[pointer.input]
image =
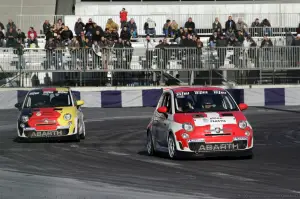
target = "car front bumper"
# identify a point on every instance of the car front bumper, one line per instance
(59, 132)
(199, 146)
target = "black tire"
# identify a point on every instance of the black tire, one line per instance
(172, 149)
(150, 145)
(77, 137)
(82, 135)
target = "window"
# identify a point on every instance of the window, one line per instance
(204, 101)
(167, 102)
(46, 99)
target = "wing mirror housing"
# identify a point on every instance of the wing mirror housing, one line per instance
(243, 106)
(79, 102)
(162, 109)
(18, 106)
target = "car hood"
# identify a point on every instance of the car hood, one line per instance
(203, 118)
(55, 116)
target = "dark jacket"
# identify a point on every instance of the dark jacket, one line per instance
(115, 36)
(132, 26)
(96, 37)
(21, 36)
(98, 28)
(2, 26)
(46, 28)
(217, 26)
(79, 27)
(2, 36)
(190, 25)
(66, 34)
(229, 24)
(125, 35)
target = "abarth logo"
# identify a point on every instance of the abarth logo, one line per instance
(218, 147)
(47, 134)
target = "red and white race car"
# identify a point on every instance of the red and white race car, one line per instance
(199, 120)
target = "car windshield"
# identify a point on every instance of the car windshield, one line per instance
(204, 101)
(45, 99)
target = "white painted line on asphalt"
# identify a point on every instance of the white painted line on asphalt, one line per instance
(160, 162)
(117, 153)
(225, 175)
(297, 192)
(289, 137)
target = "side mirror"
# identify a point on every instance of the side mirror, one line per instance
(18, 106)
(243, 106)
(79, 102)
(162, 109)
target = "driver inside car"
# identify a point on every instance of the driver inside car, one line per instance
(207, 102)
(185, 104)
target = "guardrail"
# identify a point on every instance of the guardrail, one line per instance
(150, 67)
(203, 22)
(143, 59)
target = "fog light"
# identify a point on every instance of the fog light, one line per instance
(69, 123)
(22, 125)
(185, 136)
(247, 133)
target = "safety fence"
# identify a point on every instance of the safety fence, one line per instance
(127, 66)
(203, 22)
(152, 59)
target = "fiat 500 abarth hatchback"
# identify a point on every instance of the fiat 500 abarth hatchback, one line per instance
(199, 120)
(50, 113)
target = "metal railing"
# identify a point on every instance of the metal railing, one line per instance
(202, 21)
(142, 59)
(122, 66)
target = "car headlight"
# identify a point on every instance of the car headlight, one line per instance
(187, 127)
(67, 116)
(242, 124)
(24, 118)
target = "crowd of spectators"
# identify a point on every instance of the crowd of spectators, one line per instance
(120, 34)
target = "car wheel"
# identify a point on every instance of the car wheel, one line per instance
(77, 135)
(173, 153)
(150, 146)
(82, 135)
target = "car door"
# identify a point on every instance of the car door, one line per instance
(165, 121)
(157, 117)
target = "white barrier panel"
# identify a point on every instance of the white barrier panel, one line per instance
(203, 14)
(148, 97)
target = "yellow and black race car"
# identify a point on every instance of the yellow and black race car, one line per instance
(51, 113)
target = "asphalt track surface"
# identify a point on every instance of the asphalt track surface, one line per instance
(112, 163)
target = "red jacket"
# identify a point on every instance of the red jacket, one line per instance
(123, 16)
(29, 35)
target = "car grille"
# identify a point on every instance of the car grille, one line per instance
(213, 147)
(41, 134)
